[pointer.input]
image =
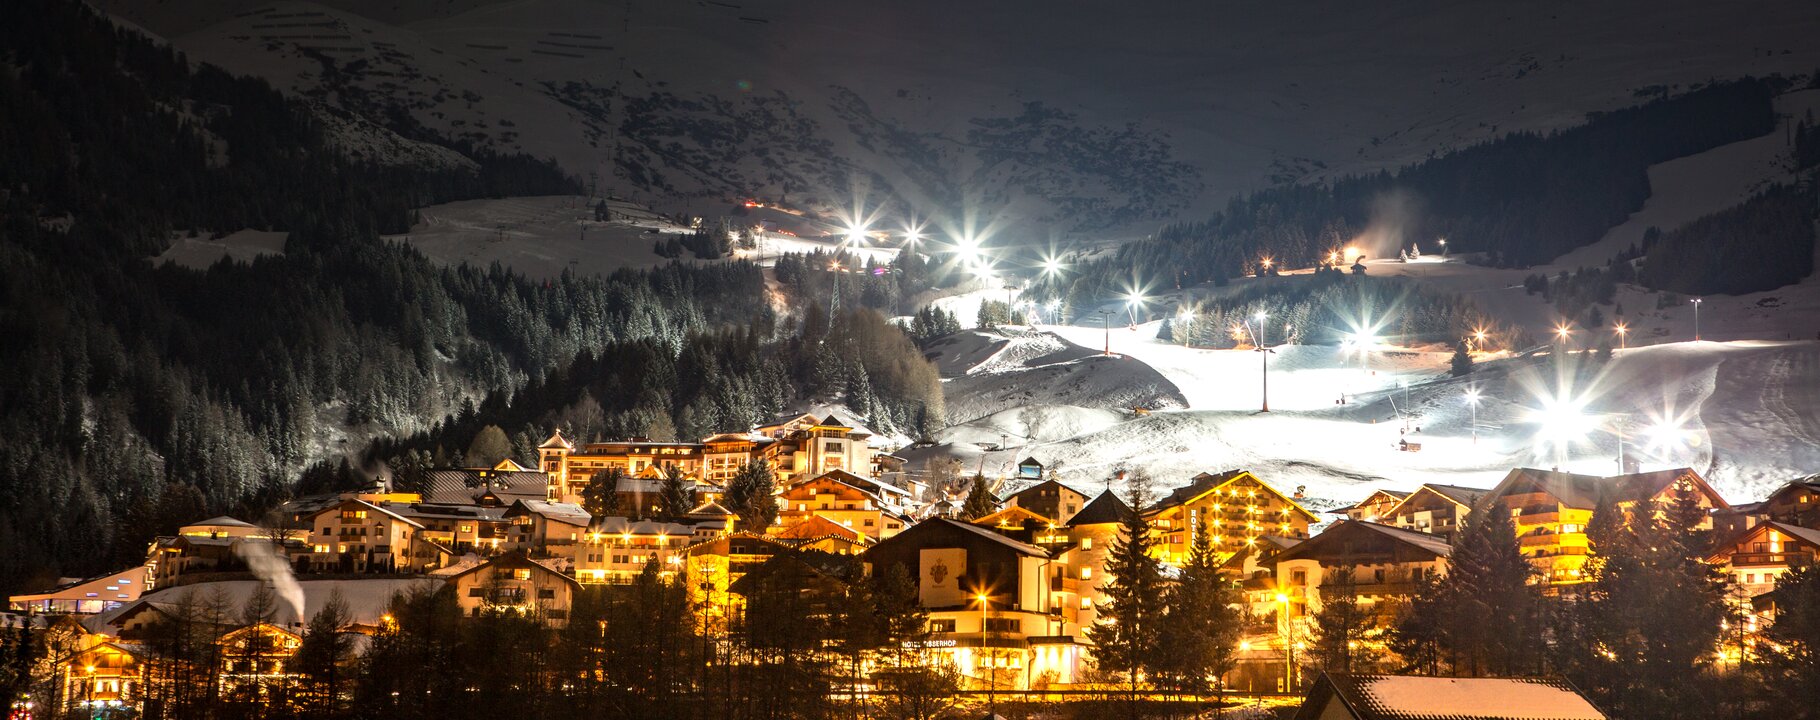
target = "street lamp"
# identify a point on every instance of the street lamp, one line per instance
(1106, 326)
(991, 679)
(1186, 318)
(1264, 352)
(1623, 332)
(1562, 332)
(1696, 302)
(1472, 399)
(1288, 647)
(1478, 339)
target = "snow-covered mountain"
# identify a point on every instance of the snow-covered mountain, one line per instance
(1052, 117)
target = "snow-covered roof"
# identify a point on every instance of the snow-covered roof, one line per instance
(563, 512)
(616, 525)
(1397, 697)
(556, 441)
(222, 521)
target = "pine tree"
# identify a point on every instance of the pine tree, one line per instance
(752, 494)
(1790, 665)
(1483, 616)
(1201, 626)
(1461, 364)
(1647, 618)
(1128, 636)
(600, 497)
(675, 498)
(1341, 623)
(980, 502)
(324, 656)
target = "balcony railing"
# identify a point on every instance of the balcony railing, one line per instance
(1783, 558)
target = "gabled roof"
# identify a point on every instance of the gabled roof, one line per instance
(1572, 489)
(859, 481)
(1724, 550)
(562, 512)
(513, 560)
(616, 525)
(1395, 697)
(910, 534)
(816, 526)
(1463, 496)
(556, 441)
(1393, 496)
(1015, 516)
(1810, 483)
(1338, 531)
(1107, 508)
(1646, 485)
(1204, 483)
(370, 506)
(710, 509)
(1029, 461)
(1585, 491)
(1036, 489)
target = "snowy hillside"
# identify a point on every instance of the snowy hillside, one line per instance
(1174, 108)
(1747, 414)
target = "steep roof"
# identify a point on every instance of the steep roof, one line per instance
(1205, 483)
(710, 509)
(1573, 489)
(1396, 697)
(910, 534)
(562, 512)
(816, 526)
(556, 441)
(1107, 508)
(1036, 489)
(1462, 495)
(1425, 542)
(1724, 549)
(1016, 515)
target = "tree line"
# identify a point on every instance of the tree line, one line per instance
(1521, 199)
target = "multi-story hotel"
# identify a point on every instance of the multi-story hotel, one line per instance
(1238, 507)
(801, 446)
(1552, 510)
(1434, 509)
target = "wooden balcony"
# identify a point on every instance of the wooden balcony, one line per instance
(1783, 559)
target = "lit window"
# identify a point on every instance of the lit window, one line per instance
(1086, 543)
(1086, 573)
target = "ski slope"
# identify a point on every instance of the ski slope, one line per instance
(1744, 413)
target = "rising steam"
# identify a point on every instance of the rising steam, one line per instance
(1395, 219)
(268, 564)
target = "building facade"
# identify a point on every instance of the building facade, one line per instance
(1238, 509)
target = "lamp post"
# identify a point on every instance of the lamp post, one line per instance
(1186, 317)
(991, 681)
(1623, 332)
(1562, 333)
(1696, 302)
(1106, 326)
(1288, 647)
(1263, 352)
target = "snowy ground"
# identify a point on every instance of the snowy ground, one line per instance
(892, 91)
(1746, 414)
(543, 236)
(202, 251)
